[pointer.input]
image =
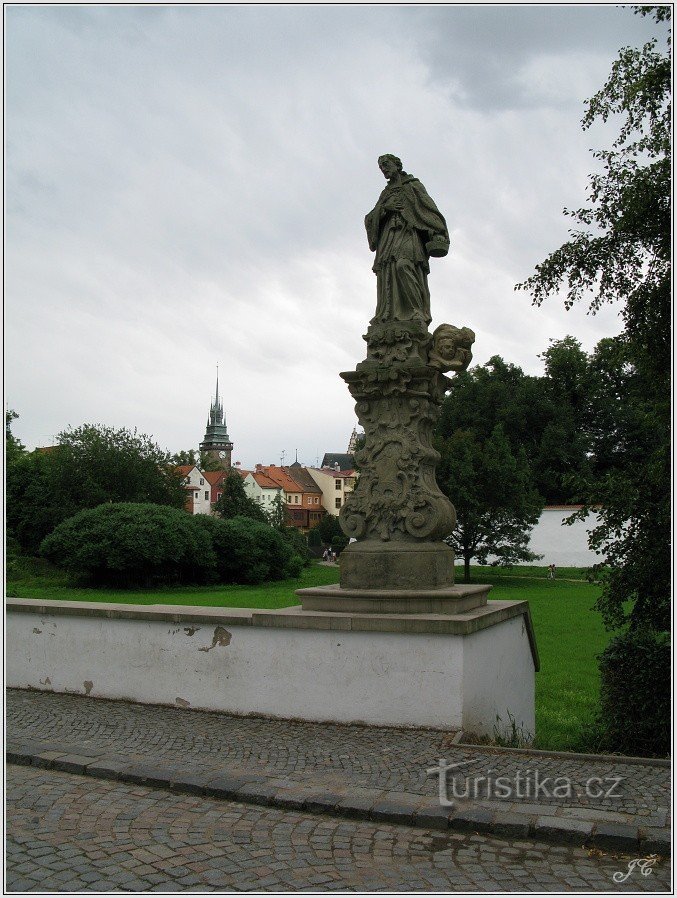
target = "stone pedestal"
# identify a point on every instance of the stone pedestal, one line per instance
(372, 564)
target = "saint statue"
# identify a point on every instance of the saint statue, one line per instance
(404, 229)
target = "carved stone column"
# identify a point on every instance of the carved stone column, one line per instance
(397, 513)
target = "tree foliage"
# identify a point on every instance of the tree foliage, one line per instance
(90, 465)
(248, 551)
(493, 493)
(234, 501)
(14, 448)
(621, 253)
(127, 544)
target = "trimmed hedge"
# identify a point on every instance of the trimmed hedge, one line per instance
(248, 551)
(129, 544)
(635, 693)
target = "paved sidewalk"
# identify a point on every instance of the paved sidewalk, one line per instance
(373, 773)
(76, 833)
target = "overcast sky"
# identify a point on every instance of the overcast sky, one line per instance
(187, 186)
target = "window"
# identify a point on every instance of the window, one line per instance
(338, 501)
(296, 499)
(289, 499)
(202, 481)
(337, 484)
(206, 495)
(197, 495)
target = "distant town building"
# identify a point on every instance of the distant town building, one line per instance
(335, 486)
(354, 437)
(216, 443)
(198, 489)
(262, 488)
(339, 461)
(300, 493)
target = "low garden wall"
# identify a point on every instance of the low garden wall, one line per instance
(376, 669)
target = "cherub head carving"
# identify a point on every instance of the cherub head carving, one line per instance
(451, 349)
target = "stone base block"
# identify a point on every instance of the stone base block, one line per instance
(444, 600)
(373, 564)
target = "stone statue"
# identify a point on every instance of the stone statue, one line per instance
(404, 229)
(451, 349)
(397, 513)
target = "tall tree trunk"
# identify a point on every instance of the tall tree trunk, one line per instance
(466, 567)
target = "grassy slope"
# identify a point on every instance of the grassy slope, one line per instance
(568, 633)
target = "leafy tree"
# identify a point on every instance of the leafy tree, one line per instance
(202, 460)
(492, 491)
(208, 462)
(127, 544)
(329, 529)
(564, 451)
(14, 448)
(234, 501)
(249, 551)
(540, 416)
(277, 514)
(90, 465)
(184, 457)
(298, 542)
(622, 254)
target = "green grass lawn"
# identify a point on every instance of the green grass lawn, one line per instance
(569, 634)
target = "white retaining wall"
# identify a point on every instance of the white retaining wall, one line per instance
(382, 678)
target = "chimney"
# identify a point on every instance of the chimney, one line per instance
(259, 466)
(238, 464)
(337, 466)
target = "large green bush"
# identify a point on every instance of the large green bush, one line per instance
(635, 694)
(248, 551)
(128, 544)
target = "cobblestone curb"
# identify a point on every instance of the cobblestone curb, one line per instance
(410, 809)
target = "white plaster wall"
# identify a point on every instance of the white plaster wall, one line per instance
(441, 681)
(559, 544)
(498, 677)
(562, 545)
(341, 676)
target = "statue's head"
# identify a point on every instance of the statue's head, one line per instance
(389, 164)
(452, 348)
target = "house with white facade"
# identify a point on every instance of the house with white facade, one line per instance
(336, 486)
(262, 489)
(198, 489)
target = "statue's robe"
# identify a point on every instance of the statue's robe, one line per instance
(399, 240)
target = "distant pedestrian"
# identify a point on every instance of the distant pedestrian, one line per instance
(551, 572)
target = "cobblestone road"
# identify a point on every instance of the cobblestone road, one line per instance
(324, 754)
(74, 833)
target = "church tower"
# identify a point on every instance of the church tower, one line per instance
(216, 443)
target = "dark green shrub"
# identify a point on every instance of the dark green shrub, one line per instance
(129, 544)
(248, 551)
(314, 538)
(298, 542)
(635, 694)
(339, 543)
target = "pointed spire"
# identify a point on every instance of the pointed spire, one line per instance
(216, 403)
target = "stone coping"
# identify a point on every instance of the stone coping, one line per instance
(175, 614)
(461, 624)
